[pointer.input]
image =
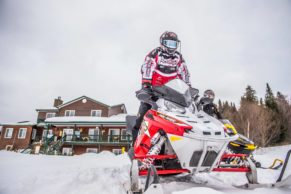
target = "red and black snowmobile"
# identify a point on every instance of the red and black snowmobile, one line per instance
(176, 138)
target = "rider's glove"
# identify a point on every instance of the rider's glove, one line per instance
(147, 88)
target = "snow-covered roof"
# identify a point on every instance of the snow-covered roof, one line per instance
(54, 109)
(81, 98)
(115, 119)
(24, 123)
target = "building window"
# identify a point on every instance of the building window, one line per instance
(92, 150)
(69, 134)
(9, 132)
(50, 114)
(96, 113)
(67, 151)
(93, 134)
(47, 133)
(22, 133)
(113, 135)
(117, 151)
(69, 113)
(123, 134)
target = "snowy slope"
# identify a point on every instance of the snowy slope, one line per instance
(106, 173)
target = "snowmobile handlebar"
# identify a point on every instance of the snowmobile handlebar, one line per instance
(145, 97)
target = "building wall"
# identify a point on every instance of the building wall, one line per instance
(117, 110)
(42, 115)
(14, 140)
(103, 131)
(84, 109)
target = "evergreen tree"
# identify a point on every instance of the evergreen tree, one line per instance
(284, 113)
(270, 100)
(249, 95)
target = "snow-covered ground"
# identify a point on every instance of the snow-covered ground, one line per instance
(106, 173)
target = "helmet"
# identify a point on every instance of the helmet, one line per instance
(169, 41)
(209, 94)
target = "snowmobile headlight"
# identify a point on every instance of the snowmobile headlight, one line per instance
(172, 107)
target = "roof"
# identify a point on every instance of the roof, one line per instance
(81, 98)
(85, 120)
(23, 123)
(53, 109)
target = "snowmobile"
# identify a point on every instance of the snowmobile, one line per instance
(176, 138)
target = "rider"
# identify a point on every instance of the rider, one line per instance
(210, 108)
(161, 65)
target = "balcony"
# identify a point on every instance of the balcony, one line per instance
(97, 139)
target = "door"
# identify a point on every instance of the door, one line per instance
(113, 135)
(69, 134)
(93, 134)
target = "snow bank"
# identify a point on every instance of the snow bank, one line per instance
(106, 173)
(84, 174)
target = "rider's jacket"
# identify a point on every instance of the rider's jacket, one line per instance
(160, 67)
(212, 110)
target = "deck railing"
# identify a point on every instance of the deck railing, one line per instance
(98, 138)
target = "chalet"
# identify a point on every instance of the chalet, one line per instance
(75, 127)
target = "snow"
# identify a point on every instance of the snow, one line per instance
(26, 123)
(114, 118)
(106, 173)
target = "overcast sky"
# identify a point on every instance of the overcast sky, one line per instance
(71, 48)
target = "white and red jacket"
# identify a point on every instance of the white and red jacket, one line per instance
(160, 67)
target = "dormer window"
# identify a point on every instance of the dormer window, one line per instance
(69, 113)
(96, 113)
(50, 115)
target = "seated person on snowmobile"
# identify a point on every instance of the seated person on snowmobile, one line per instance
(242, 145)
(161, 65)
(210, 108)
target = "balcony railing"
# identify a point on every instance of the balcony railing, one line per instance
(98, 138)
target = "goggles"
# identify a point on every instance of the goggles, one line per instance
(209, 96)
(173, 44)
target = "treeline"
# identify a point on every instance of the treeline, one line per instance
(266, 121)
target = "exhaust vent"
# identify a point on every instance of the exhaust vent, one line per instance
(206, 133)
(217, 133)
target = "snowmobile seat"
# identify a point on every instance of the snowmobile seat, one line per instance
(130, 122)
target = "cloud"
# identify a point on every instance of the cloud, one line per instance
(95, 48)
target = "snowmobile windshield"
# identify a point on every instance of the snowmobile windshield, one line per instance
(176, 91)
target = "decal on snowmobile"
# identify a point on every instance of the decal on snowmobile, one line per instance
(175, 138)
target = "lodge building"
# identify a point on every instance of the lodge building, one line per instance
(75, 127)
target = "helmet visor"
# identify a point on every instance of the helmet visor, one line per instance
(173, 44)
